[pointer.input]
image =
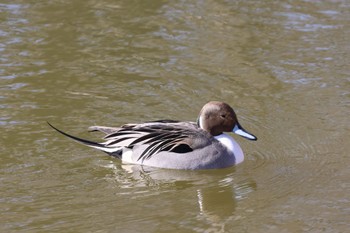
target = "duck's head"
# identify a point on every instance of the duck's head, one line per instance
(218, 117)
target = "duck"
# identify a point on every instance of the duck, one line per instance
(172, 144)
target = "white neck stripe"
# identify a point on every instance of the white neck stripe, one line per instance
(200, 121)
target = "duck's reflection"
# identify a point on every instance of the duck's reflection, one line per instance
(217, 191)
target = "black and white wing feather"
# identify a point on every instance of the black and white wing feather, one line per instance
(156, 136)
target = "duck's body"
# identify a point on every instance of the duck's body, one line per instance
(176, 145)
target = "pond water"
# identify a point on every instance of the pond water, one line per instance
(283, 66)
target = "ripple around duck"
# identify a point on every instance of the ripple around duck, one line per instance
(297, 164)
(296, 158)
(258, 159)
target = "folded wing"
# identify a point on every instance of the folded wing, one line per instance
(157, 135)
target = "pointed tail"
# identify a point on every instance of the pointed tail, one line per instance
(114, 151)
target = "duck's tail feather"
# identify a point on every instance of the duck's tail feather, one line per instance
(114, 151)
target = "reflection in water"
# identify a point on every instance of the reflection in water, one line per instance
(215, 192)
(217, 204)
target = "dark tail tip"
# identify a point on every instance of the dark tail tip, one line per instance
(81, 140)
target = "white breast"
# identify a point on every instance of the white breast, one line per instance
(232, 146)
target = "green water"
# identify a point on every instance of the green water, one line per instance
(283, 66)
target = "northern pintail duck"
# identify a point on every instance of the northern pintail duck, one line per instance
(174, 144)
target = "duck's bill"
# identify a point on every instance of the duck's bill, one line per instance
(238, 129)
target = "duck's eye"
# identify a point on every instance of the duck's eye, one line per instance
(223, 115)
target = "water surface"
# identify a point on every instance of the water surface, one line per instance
(282, 65)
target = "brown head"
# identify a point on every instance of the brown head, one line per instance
(218, 117)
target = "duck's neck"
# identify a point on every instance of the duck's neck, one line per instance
(232, 146)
